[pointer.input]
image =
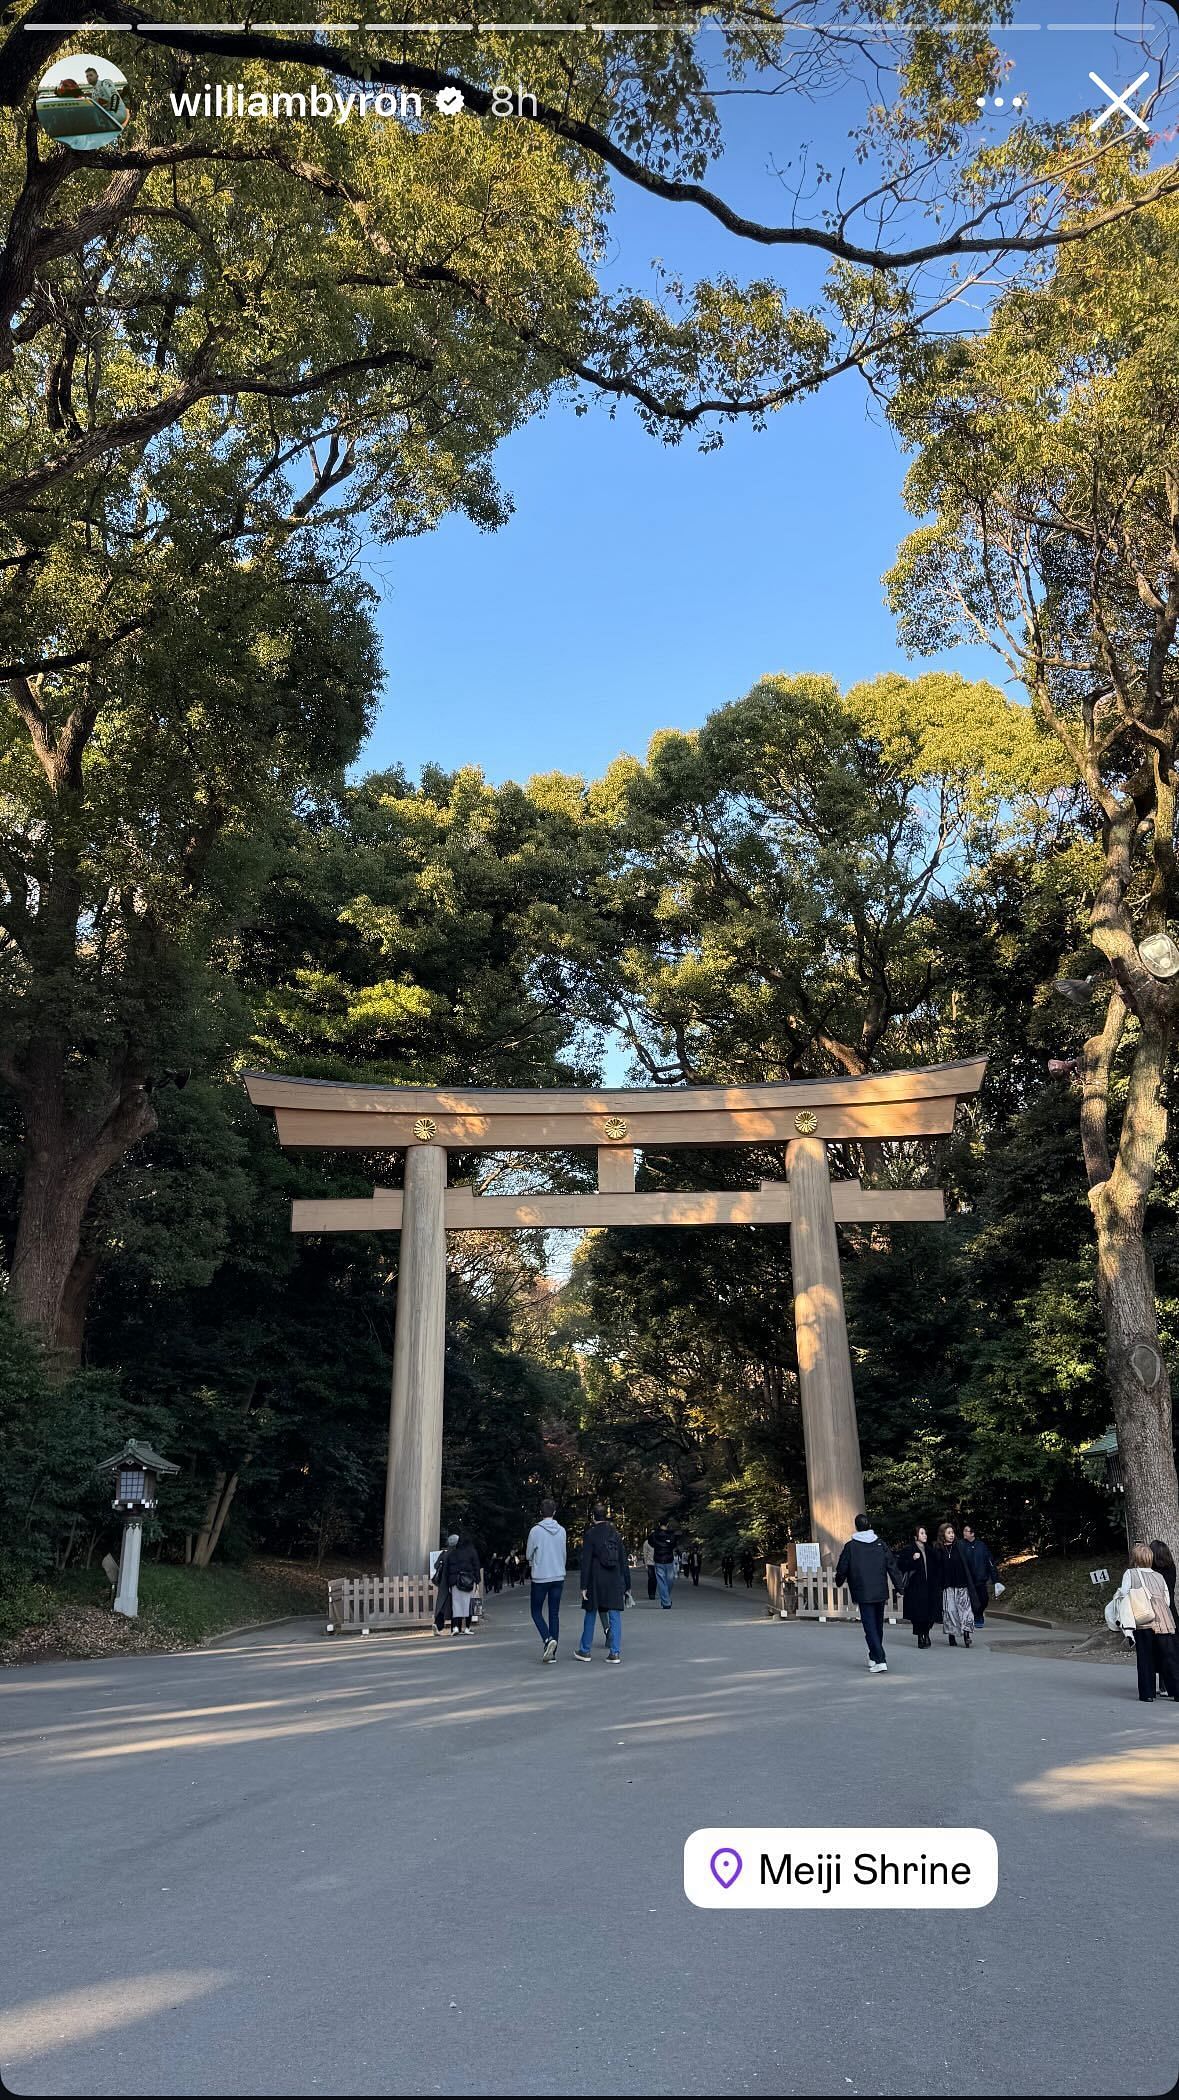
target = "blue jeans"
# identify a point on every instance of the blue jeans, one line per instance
(872, 1621)
(547, 1595)
(613, 1639)
(665, 1576)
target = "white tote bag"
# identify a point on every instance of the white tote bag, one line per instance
(1140, 1600)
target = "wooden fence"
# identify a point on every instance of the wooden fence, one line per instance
(820, 1598)
(356, 1603)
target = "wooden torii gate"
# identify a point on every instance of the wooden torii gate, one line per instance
(428, 1122)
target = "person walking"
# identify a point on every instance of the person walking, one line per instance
(866, 1564)
(605, 1585)
(956, 1583)
(1163, 1562)
(1144, 1589)
(1144, 1599)
(694, 1565)
(919, 1606)
(457, 1578)
(977, 1555)
(442, 1587)
(649, 1564)
(748, 1565)
(662, 1544)
(728, 1563)
(546, 1553)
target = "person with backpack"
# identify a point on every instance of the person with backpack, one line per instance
(457, 1578)
(662, 1544)
(605, 1585)
(867, 1565)
(546, 1560)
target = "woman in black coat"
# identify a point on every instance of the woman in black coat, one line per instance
(922, 1598)
(605, 1585)
(457, 1579)
(954, 1578)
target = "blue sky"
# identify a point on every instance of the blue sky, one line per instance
(638, 586)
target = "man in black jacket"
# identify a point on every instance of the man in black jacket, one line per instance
(605, 1585)
(866, 1565)
(977, 1555)
(662, 1544)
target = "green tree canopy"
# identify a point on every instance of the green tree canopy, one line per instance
(1048, 470)
(790, 856)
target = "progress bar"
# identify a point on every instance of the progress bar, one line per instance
(868, 30)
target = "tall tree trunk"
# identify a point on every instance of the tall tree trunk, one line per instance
(1140, 1386)
(66, 1156)
(200, 1551)
(53, 1204)
(228, 1494)
(71, 1326)
(224, 1490)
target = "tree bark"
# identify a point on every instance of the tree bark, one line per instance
(224, 1490)
(200, 1551)
(228, 1494)
(1125, 1280)
(74, 1301)
(66, 1157)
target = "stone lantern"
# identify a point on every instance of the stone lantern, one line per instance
(136, 1469)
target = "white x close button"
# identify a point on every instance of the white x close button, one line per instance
(1118, 101)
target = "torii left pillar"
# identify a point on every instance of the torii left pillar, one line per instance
(413, 1485)
(835, 1479)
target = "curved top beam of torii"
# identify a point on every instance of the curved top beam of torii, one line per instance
(332, 1112)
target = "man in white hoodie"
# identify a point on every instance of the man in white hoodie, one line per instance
(546, 1552)
(867, 1566)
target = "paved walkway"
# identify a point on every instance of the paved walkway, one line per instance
(406, 1866)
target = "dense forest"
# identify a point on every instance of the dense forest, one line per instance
(812, 882)
(227, 372)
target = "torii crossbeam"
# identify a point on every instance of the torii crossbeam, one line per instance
(427, 1123)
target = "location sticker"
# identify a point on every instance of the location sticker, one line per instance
(726, 1865)
(846, 1868)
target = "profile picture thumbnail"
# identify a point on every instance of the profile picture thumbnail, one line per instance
(80, 102)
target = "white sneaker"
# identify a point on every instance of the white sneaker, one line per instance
(876, 1668)
(550, 1652)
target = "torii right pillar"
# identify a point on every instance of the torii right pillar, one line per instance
(835, 1478)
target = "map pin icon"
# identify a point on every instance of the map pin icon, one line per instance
(726, 1865)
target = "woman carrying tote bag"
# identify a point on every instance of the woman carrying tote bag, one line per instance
(1142, 1597)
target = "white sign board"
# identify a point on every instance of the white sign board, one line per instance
(807, 1558)
(435, 1557)
(1099, 1575)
